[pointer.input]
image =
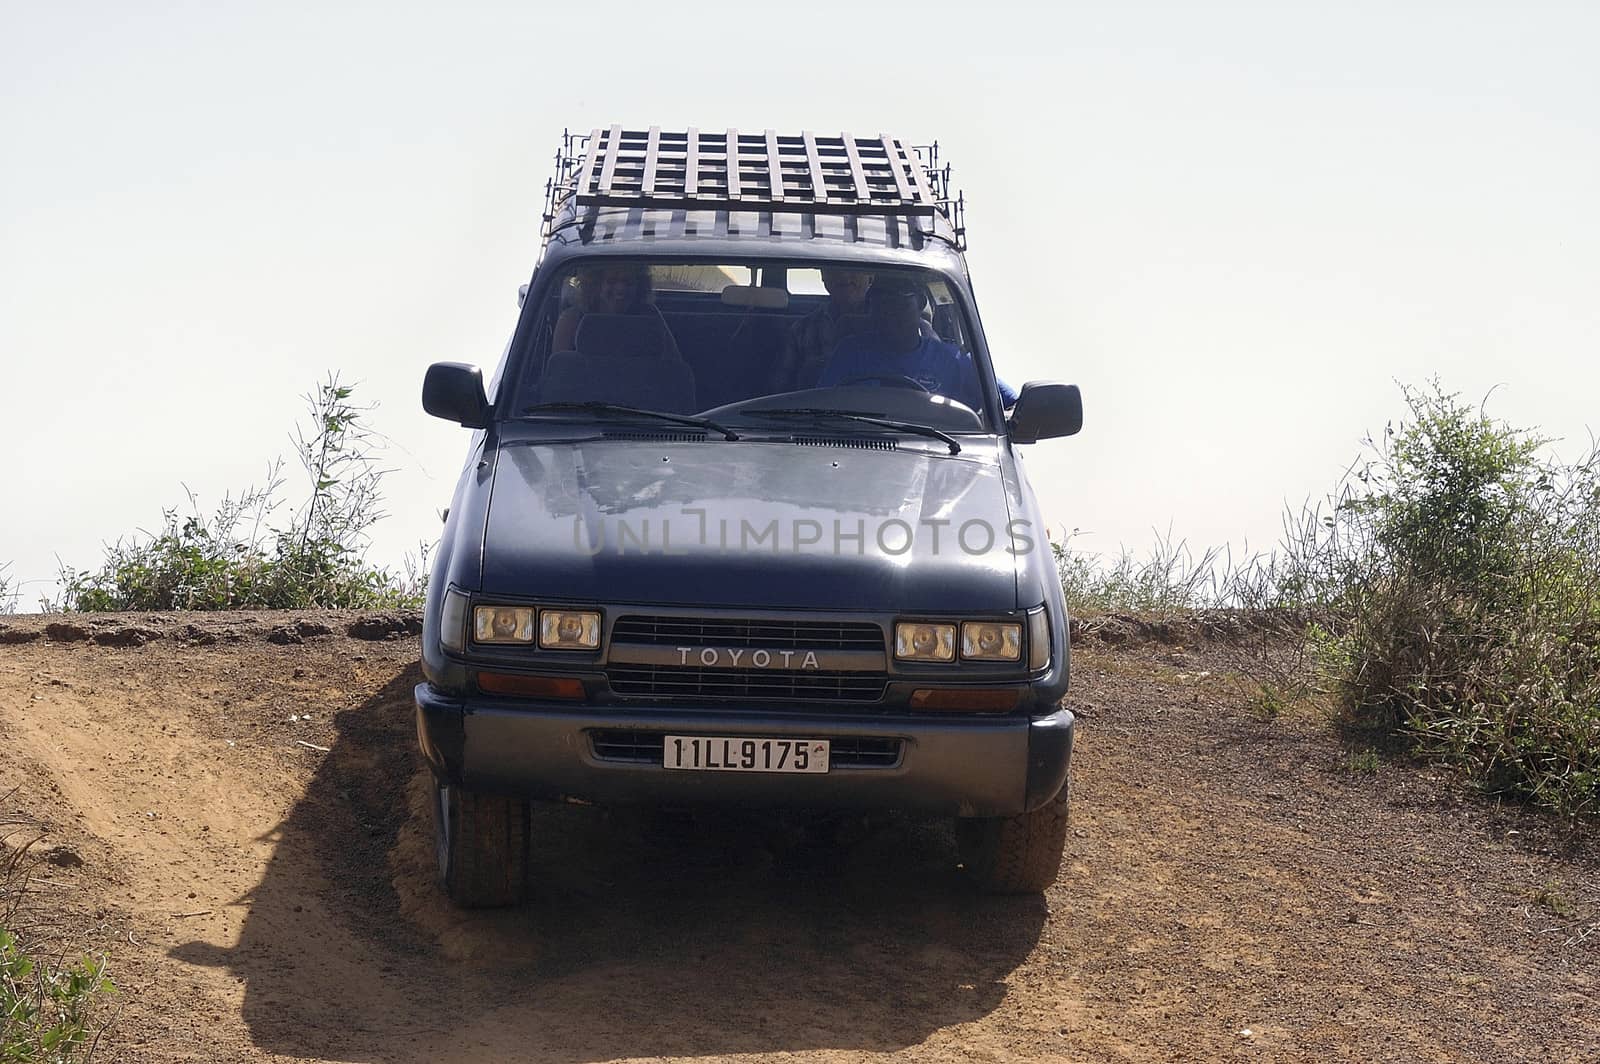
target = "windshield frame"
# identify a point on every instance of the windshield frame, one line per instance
(542, 305)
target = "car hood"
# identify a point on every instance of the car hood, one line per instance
(762, 524)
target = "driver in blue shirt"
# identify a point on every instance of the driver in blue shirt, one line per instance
(897, 350)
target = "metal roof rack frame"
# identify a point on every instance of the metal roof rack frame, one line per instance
(730, 170)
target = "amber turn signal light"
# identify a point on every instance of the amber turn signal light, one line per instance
(566, 688)
(965, 699)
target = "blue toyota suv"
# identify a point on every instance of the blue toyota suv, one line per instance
(742, 519)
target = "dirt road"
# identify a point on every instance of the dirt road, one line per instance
(255, 860)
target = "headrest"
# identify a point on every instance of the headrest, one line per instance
(622, 335)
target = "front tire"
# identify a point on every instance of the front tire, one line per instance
(1017, 854)
(481, 841)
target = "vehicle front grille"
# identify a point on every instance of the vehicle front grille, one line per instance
(771, 634)
(694, 682)
(645, 748)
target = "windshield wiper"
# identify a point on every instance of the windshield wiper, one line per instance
(631, 411)
(856, 415)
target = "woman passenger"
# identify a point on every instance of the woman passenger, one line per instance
(616, 288)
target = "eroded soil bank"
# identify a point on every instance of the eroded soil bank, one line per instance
(235, 815)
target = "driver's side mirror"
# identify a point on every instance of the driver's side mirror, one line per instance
(1045, 410)
(454, 391)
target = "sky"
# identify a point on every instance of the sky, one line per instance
(1239, 227)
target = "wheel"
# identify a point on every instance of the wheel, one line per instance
(481, 841)
(898, 380)
(1017, 854)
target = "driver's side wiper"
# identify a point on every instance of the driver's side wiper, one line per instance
(854, 415)
(632, 411)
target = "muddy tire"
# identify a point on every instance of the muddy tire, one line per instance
(482, 844)
(1017, 854)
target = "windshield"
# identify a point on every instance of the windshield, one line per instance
(741, 341)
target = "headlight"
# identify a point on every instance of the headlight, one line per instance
(569, 630)
(502, 624)
(991, 641)
(915, 641)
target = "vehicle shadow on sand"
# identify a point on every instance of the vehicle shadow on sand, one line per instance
(649, 933)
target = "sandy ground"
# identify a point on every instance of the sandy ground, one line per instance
(1233, 890)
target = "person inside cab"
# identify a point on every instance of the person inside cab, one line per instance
(896, 349)
(616, 289)
(812, 339)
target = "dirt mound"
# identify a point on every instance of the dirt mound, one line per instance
(242, 826)
(209, 629)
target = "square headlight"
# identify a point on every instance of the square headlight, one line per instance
(919, 641)
(502, 624)
(991, 641)
(569, 629)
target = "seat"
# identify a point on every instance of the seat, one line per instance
(622, 335)
(653, 383)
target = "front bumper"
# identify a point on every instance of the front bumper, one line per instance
(960, 766)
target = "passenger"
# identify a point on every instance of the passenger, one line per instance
(897, 346)
(617, 288)
(812, 339)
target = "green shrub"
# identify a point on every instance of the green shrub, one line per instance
(46, 1010)
(1455, 576)
(1463, 566)
(236, 558)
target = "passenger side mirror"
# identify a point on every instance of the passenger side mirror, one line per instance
(1045, 410)
(454, 391)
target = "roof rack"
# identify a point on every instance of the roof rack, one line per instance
(730, 170)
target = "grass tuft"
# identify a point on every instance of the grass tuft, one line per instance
(1360, 763)
(1551, 897)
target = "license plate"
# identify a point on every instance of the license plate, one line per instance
(738, 754)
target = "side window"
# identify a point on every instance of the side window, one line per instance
(698, 278)
(947, 320)
(806, 282)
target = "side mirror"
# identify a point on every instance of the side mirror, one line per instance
(454, 391)
(1045, 410)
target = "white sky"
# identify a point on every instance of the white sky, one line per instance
(1235, 225)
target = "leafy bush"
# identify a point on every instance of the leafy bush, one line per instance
(45, 1009)
(1463, 567)
(235, 558)
(1455, 576)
